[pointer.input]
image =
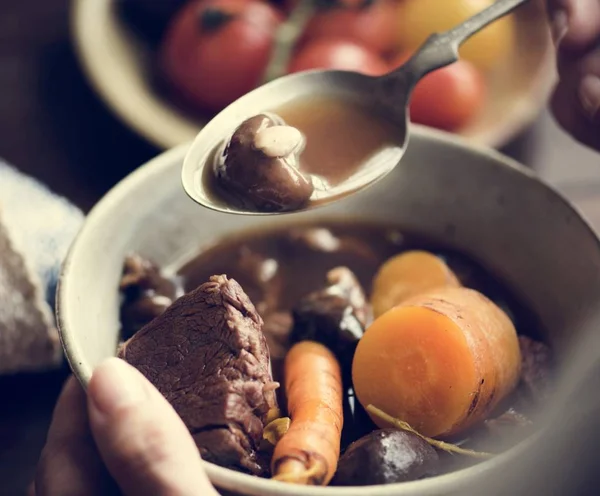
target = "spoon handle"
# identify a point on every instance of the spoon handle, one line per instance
(456, 36)
(441, 49)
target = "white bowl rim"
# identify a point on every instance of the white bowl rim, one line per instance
(230, 479)
(140, 118)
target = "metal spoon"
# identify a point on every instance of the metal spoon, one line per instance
(388, 94)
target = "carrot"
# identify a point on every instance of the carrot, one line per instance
(440, 362)
(407, 275)
(308, 452)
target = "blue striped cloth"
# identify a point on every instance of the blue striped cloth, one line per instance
(39, 227)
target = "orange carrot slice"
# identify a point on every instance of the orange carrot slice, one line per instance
(441, 361)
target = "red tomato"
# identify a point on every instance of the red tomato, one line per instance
(371, 23)
(338, 54)
(449, 97)
(215, 51)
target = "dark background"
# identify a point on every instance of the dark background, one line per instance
(53, 127)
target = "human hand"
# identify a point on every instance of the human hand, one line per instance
(124, 437)
(576, 100)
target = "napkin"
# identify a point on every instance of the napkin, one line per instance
(36, 230)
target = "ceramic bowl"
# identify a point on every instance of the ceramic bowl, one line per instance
(471, 199)
(119, 67)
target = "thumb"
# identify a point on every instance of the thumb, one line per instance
(143, 442)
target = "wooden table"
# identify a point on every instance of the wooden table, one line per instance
(51, 125)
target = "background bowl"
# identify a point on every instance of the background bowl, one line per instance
(476, 201)
(119, 67)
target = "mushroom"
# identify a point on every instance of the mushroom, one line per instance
(259, 166)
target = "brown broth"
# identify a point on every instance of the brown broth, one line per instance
(360, 246)
(341, 136)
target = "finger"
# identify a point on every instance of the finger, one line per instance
(142, 440)
(576, 100)
(575, 23)
(70, 464)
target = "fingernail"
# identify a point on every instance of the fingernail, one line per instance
(589, 95)
(559, 26)
(115, 385)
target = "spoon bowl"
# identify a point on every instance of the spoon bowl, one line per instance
(387, 95)
(350, 86)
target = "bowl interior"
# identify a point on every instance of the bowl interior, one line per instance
(476, 201)
(120, 68)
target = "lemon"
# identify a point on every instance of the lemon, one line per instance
(421, 18)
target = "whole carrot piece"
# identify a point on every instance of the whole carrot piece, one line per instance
(308, 452)
(441, 361)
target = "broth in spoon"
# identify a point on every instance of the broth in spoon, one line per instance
(296, 156)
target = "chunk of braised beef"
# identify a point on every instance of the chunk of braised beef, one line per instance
(141, 276)
(146, 292)
(335, 316)
(536, 368)
(208, 356)
(386, 456)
